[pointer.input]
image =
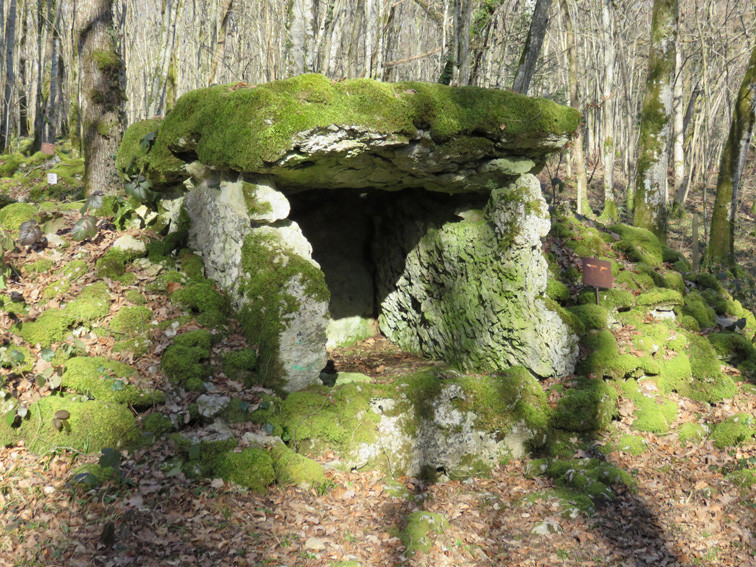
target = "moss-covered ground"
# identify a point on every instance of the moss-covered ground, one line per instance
(630, 451)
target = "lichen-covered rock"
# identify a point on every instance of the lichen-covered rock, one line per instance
(470, 292)
(461, 425)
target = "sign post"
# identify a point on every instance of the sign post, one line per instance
(597, 273)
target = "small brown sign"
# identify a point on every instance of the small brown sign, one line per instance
(597, 273)
(47, 148)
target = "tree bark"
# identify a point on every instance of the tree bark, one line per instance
(607, 19)
(578, 157)
(538, 26)
(721, 248)
(651, 197)
(102, 95)
(6, 117)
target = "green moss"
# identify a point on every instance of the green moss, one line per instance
(704, 280)
(592, 316)
(243, 128)
(743, 479)
(567, 317)
(112, 264)
(200, 297)
(293, 468)
(213, 319)
(734, 430)
(606, 361)
(632, 444)
(13, 215)
(163, 279)
(250, 468)
(715, 299)
(138, 346)
(53, 324)
(240, 365)
(133, 154)
(201, 338)
(638, 245)
(135, 296)
(92, 426)
(107, 380)
(56, 289)
(420, 531)
(592, 478)
(502, 400)
(589, 406)
(181, 364)
(131, 320)
(654, 415)
(695, 306)
(673, 280)
(610, 299)
(635, 281)
(658, 297)
(676, 375)
(237, 411)
(710, 384)
(682, 266)
(557, 291)
(157, 424)
(40, 266)
(192, 265)
(691, 432)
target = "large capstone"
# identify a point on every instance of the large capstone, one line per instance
(326, 209)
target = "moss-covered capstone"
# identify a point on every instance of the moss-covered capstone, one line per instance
(344, 132)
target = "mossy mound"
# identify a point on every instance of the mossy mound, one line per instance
(13, 215)
(92, 426)
(632, 444)
(293, 468)
(638, 245)
(240, 365)
(182, 361)
(734, 430)
(420, 531)
(592, 478)
(53, 324)
(589, 406)
(107, 380)
(132, 320)
(691, 433)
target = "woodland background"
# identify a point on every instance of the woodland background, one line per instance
(169, 47)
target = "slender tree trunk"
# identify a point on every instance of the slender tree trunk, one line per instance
(607, 20)
(538, 26)
(720, 250)
(651, 197)
(101, 85)
(578, 157)
(6, 118)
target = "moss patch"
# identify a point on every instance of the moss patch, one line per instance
(293, 468)
(131, 320)
(420, 531)
(589, 406)
(107, 380)
(92, 426)
(734, 430)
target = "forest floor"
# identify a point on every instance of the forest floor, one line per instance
(684, 510)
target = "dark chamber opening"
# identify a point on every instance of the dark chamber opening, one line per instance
(361, 239)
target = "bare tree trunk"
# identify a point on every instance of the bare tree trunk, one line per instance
(721, 248)
(538, 25)
(610, 205)
(7, 116)
(578, 158)
(651, 181)
(101, 77)
(678, 133)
